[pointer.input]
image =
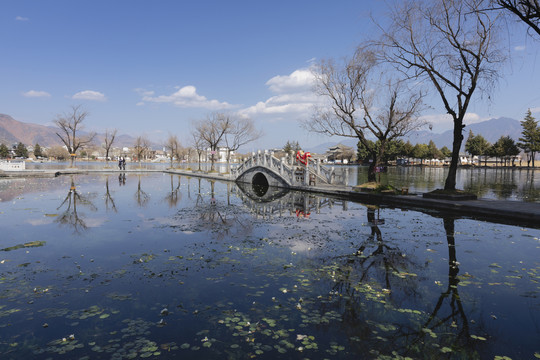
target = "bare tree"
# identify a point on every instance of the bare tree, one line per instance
(527, 11)
(69, 125)
(110, 136)
(173, 148)
(453, 45)
(184, 153)
(140, 147)
(242, 131)
(198, 145)
(58, 153)
(211, 132)
(358, 107)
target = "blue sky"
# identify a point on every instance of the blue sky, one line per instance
(153, 67)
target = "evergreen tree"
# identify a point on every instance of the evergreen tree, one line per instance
(530, 140)
(21, 151)
(4, 151)
(446, 152)
(477, 145)
(291, 146)
(420, 151)
(469, 144)
(407, 149)
(433, 151)
(37, 151)
(394, 148)
(363, 155)
(505, 148)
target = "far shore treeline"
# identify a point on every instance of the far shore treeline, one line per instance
(478, 151)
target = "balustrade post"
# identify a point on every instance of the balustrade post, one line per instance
(346, 178)
(281, 166)
(318, 163)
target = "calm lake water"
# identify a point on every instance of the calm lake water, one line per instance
(512, 184)
(168, 267)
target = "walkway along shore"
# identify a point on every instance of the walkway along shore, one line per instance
(512, 212)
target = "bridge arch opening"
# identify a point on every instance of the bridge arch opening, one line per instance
(260, 184)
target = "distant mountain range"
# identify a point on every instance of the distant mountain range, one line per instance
(13, 132)
(491, 130)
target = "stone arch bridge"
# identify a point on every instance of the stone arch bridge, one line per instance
(263, 168)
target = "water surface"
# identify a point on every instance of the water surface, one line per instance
(163, 267)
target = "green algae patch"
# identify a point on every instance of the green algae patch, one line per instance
(376, 188)
(30, 244)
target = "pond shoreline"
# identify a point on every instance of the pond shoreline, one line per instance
(516, 212)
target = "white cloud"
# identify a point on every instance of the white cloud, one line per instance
(184, 97)
(472, 118)
(144, 92)
(21, 18)
(89, 95)
(298, 80)
(281, 104)
(294, 95)
(36, 94)
(535, 110)
(520, 48)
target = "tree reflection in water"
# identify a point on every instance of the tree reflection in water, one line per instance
(174, 195)
(71, 217)
(109, 201)
(141, 196)
(209, 214)
(378, 295)
(453, 324)
(382, 274)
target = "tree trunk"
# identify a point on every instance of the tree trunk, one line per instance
(450, 183)
(212, 159)
(372, 175)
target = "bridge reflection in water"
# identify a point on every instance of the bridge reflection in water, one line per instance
(269, 201)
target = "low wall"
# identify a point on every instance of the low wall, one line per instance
(12, 165)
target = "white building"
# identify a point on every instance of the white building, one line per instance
(12, 165)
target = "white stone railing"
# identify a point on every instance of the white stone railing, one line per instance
(292, 171)
(12, 165)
